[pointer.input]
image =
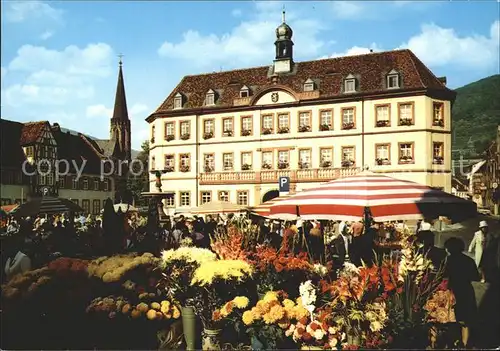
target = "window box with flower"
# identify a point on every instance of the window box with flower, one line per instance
(185, 136)
(184, 168)
(383, 161)
(267, 131)
(438, 123)
(228, 133)
(303, 165)
(169, 137)
(283, 165)
(383, 123)
(305, 128)
(246, 132)
(283, 130)
(169, 169)
(208, 169)
(406, 159)
(405, 122)
(228, 166)
(326, 164)
(246, 167)
(325, 127)
(347, 163)
(438, 160)
(348, 125)
(266, 166)
(208, 135)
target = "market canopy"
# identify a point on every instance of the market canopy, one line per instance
(387, 199)
(218, 207)
(264, 209)
(45, 205)
(125, 208)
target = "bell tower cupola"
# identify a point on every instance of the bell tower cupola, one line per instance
(283, 62)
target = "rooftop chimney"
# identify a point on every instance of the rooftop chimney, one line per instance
(442, 80)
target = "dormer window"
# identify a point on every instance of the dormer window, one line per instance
(309, 85)
(178, 101)
(350, 84)
(244, 92)
(210, 98)
(393, 80)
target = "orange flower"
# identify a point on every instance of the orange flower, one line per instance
(216, 315)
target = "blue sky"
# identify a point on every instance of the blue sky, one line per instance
(59, 59)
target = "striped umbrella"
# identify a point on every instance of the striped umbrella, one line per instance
(214, 207)
(264, 209)
(387, 199)
(46, 205)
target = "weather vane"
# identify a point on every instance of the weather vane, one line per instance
(120, 56)
(283, 13)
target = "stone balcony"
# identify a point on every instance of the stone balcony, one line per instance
(272, 176)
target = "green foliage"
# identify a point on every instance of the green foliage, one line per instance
(139, 182)
(476, 114)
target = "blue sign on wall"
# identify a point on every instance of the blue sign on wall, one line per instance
(284, 184)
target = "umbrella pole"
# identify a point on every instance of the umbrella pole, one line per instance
(304, 240)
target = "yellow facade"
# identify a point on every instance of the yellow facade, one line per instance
(354, 130)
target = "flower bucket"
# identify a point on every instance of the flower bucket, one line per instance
(189, 327)
(256, 344)
(210, 339)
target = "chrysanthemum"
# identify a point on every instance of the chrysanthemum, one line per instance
(275, 314)
(248, 317)
(270, 296)
(223, 269)
(241, 301)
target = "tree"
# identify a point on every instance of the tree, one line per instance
(138, 180)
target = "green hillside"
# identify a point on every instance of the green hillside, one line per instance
(476, 113)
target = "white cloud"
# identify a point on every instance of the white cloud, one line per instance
(98, 111)
(347, 9)
(46, 35)
(356, 50)
(249, 43)
(51, 77)
(21, 11)
(236, 13)
(437, 46)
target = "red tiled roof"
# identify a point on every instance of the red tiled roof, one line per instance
(328, 75)
(32, 131)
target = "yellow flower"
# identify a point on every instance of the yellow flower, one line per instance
(270, 296)
(209, 271)
(299, 301)
(241, 301)
(151, 314)
(275, 314)
(262, 307)
(188, 254)
(175, 312)
(288, 304)
(248, 317)
(300, 312)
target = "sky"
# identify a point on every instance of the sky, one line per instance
(59, 59)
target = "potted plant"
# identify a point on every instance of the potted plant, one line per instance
(228, 133)
(185, 136)
(303, 165)
(184, 168)
(246, 167)
(348, 125)
(267, 131)
(266, 166)
(304, 128)
(208, 169)
(405, 159)
(169, 137)
(405, 121)
(347, 163)
(324, 127)
(282, 165)
(382, 123)
(178, 267)
(208, 135)
(169, 169)
(217, 282)
(326, 164)
(438, 122)
(228, 166)
(246, 132)
(283, 130)
(382, 161)
(439, 160)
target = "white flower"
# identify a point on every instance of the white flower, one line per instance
(375, 326)
(290, 330)
(320, 269)
(350, 268)
(332, 330)
(319, 334)
(333, 343)
(308, 295)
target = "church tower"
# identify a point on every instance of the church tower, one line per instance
(120, 123)
(283, 62)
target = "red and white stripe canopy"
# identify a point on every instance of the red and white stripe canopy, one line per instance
(263, 209)
(387, 198)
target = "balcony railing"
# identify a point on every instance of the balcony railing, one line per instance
(272, 176)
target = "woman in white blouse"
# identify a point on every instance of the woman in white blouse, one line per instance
(18, 262)
(477, 242)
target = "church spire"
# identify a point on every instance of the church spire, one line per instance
(120, 110)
